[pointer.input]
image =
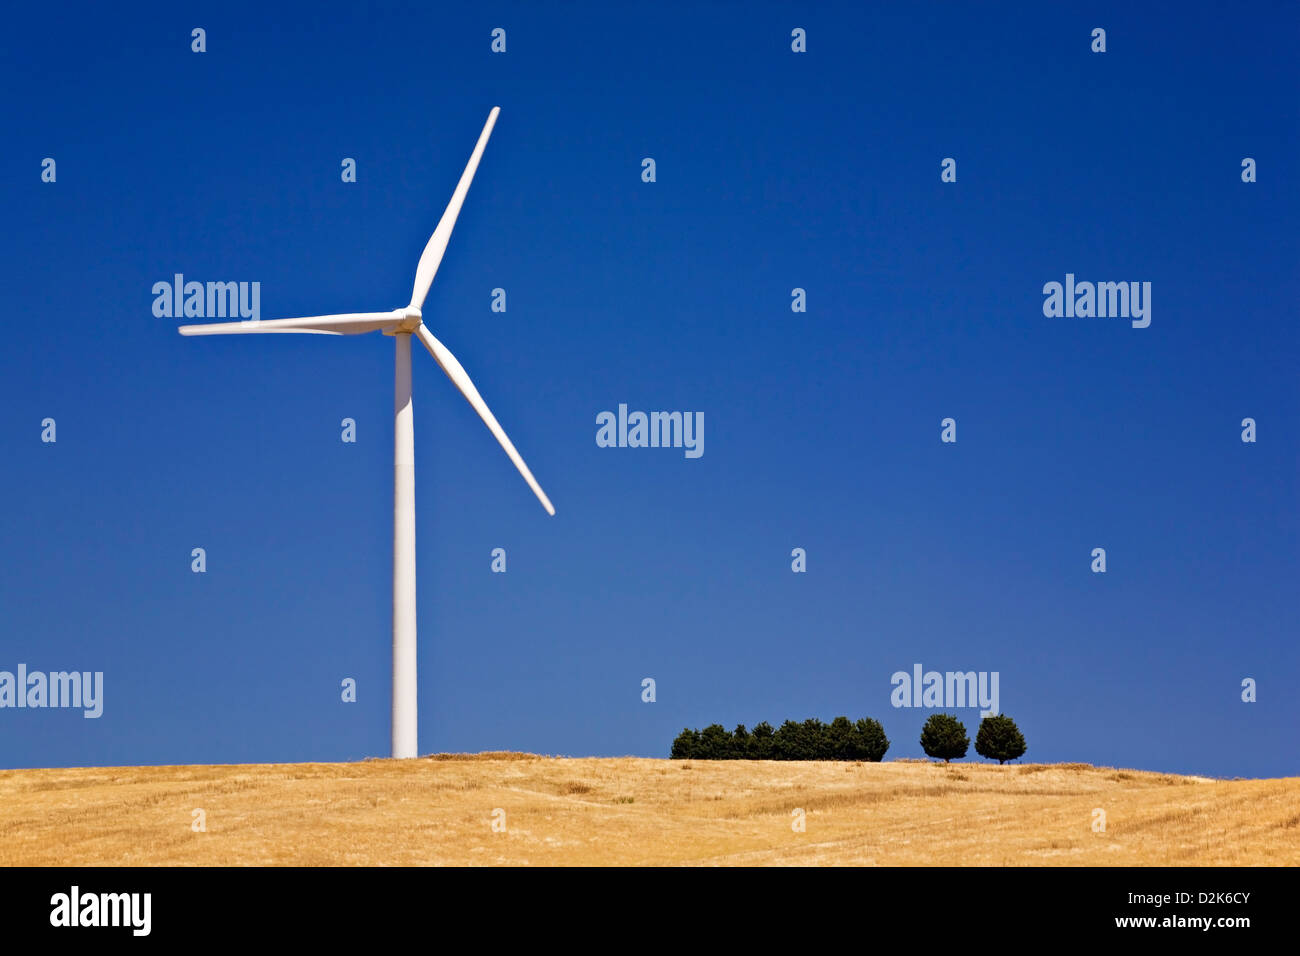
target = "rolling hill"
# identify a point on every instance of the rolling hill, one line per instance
(598, 811)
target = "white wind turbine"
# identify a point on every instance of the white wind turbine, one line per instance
(401, 324)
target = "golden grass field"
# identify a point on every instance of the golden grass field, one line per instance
(635, 811)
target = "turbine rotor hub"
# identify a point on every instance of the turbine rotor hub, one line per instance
(411, 319)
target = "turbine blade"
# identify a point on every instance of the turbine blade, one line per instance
(462, 381)
(351, 323)
(437, 244)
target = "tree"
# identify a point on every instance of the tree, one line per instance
(715, 743)
(788, 742)
(794, 740)
(817, 740)
(741, 742)
(686, 745)
(999, 739)
(870, 742)
(843, 739)
(944, 736)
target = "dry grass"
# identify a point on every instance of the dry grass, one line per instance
(563, 811)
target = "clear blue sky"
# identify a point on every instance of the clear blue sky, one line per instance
(775, 170)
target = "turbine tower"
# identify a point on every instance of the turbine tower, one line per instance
(401, 324)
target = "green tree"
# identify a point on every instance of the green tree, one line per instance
(817, 740)
(788, 742)
(999, 739)
(715, 743)
(686, 745)
(843, 739)
(741, 742)
(794, 740)
(870, 742)
(944, 736)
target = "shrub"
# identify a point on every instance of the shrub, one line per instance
(944, 736)
(999, 739)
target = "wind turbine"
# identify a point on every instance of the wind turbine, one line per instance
(401, 324)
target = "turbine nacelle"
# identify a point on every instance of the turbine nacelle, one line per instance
(409, 319)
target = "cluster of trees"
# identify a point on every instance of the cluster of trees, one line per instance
(841, 739)
(943, 737)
